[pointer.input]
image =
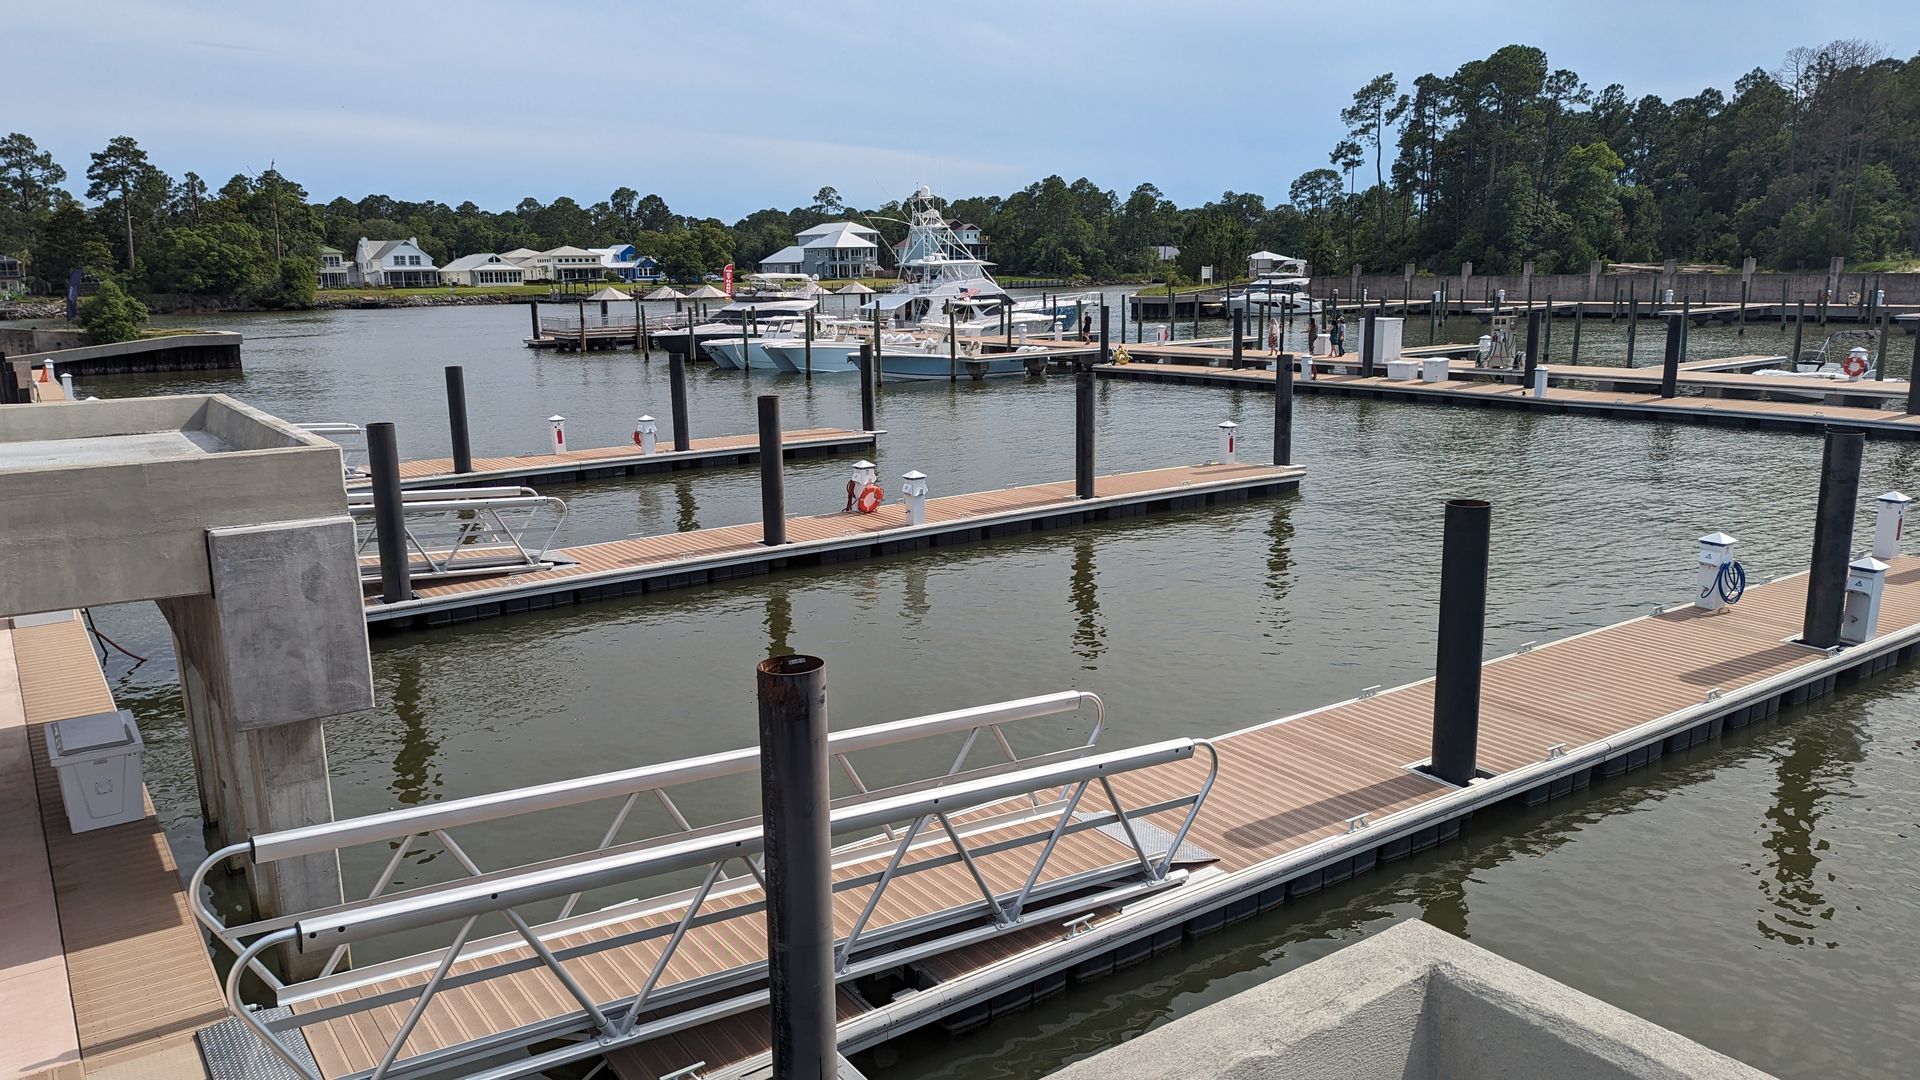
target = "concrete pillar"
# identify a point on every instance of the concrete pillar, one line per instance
(1355, 290)
(1593, 280)
(1526, 278)
(1466, 280)
(279, 644)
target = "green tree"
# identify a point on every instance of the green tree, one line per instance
(112, 174)
(67, 241)
(29, 188)
(110, 315)
(1375, 105)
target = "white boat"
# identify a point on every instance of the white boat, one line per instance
(1855, 366)
(932, 360)
(1282, 292)
(759, 317)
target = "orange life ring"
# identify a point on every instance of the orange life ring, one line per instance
(870, 497)
(1853, 366)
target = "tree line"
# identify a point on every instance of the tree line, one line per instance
(1504, 160)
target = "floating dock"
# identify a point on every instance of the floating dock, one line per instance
(1299, 804)
(102, 968)
(703, 556)
(575, 466)
(1618, 404)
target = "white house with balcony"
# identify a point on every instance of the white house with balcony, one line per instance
(836, 249)
(333, 268)
(562, 264)
(485, 268)
(392, 264)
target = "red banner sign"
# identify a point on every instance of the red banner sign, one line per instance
(726, 280)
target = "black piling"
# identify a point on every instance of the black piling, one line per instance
(389, 513)
(1579, 316)
(1283, 409)
(9, 384)
(1799, 330)
(1833, 536)
(533, 316)
(1670, 367)
(1913, 376)
(798, 858)
(1533, 344)
(1239, 328)
(1463, 624)
(1633, 320)
(1366, 346)
(1546, 333)
(1083, 416)
(773, 479)
(457, 418)
(1880, 355)
(677, 380)
(866, 388)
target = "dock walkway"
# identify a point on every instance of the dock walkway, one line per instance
(103, 972)
(1310, 800)
(1621, 404)
(607, 461)
(701, 556)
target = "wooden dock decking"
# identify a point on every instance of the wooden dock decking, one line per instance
(579, 465)
(1307, 801)
(1694, 409)
(698, 557)
(124, 978)
(1302, 802)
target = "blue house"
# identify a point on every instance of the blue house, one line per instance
(627, 262)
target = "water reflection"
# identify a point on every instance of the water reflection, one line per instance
(779, 623)
(413, 773)
(1089, 636)
(689, 508)
(1813, 768)
(1280, 560)
(915, 605)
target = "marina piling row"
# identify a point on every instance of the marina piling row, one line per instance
(1832, 537)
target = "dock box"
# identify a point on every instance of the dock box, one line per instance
(1403, 370)
(98, 761)
(1435, 369)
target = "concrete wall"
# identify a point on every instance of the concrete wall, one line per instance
(26, 339)
(1409, 1003)
(213, 350)
(136, 530)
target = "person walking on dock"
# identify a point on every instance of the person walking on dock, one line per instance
(1313, 334)
(1086, 329)
(1337, 335)
(1273, 338)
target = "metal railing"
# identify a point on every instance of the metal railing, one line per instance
(352, 441)
(958, 818)
(463, 531)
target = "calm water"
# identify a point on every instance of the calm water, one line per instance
(1759, 895)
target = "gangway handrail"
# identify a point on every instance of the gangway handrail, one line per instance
(606, 1024)
(460, 532)
(353, 459)
(408, 823)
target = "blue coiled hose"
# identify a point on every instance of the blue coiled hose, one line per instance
(1731, 582)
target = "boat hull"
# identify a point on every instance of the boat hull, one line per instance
(932, 366)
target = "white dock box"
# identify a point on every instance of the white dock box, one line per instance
(1403, 370)
(1435, 369)
(98, 761)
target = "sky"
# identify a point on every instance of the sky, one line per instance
(723, 107)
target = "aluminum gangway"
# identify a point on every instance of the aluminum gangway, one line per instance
(921, 867)
(352, 441)
(463, 532)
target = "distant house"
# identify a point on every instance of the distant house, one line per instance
(1268, 262)
(13, 275)
(837, 249)
(485, 268)
(564, 264)
(392, 264)
(529, 260)
(969, 236)
(1165, 252)
(333, 268)
(626, 261)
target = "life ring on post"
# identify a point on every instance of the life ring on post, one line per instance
(870, 497)
(1853, 366)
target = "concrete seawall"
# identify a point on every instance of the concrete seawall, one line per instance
(212, 350)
